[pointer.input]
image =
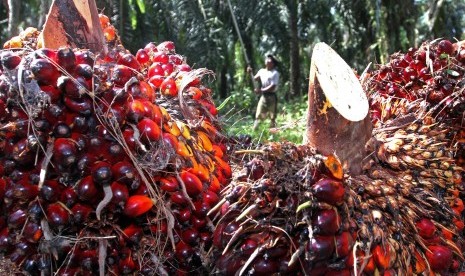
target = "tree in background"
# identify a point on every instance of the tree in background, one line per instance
(360, 31)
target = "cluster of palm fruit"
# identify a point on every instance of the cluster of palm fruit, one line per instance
(413, 187)
(285, 212)
(290, 210)
(109, 162)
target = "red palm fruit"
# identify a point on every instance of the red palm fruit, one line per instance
(142, 90)
(184, 215)
(166, 46)
(248, 246)
(122, 74)
(159, 57)
(129, 139)
(170, 139)
(326, 222)
(155, 70)
(73, 88)
(321, 247)
(104, 20)
(156, 80)
(133, 233)
(445, 47)
(137, 205)
(109, 33)
(150, 48)
(120, 194)
(439, 258)
(21, 251)
(329, 191)
(81, 213)
(176, 59)
(9, 60)
(184, 68)
(142, 57)
(24, 191)
(192, 183)
(84, 57)
(86, 189)
(44, 71)
(217, 151)
(229, 265)
(201, 208)
(61, 130)
(85, 162)
(183, 252)
(51, 190)
(382, 256)
(149, 131)
(156, 115)
(82, 105)
(5, 240)
(16, 219)
(426, 228)
(198, 223)
(194, 92)
(84, 74)
(138, 109)
(211, 108)
(124, 172)
(141, 190)
(168, 183)
(214, 185)
(190, 236)
(57, 215)
(101, 173)
(211, 198)
(3, 110)
(89, 259)
(167, 68)
(178, 198)
(168, 87)
(23, 152)
(130, 61)
(344, 244)
(64, 152)
(46, 53)
(262, 266)
(66, 59)
(2, 187)
(224, 166)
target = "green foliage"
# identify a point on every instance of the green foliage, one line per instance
(238, 119)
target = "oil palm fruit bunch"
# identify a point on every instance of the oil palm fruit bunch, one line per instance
(285, 212)
(412, 190)
(293, 211)
(109, 163)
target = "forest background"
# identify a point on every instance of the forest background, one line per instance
(364, 32)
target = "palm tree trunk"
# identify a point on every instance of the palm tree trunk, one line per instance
(14, 7)
(294, 51)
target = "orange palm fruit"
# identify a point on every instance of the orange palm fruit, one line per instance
(137, 205)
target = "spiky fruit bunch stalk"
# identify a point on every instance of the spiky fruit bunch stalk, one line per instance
(109, 163)
(284, 212)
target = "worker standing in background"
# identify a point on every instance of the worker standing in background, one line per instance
(269, 80)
